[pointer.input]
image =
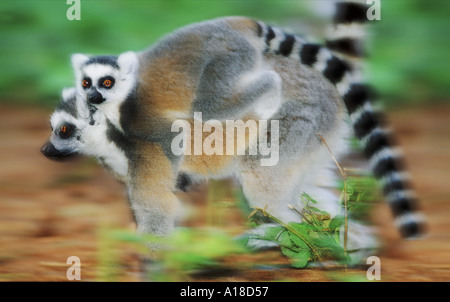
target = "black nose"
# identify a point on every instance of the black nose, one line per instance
(49, 151)
(95, 97)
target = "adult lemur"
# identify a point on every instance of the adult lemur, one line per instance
(238, 68)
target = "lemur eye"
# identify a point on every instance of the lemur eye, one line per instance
(86, 83)
(106, 82)
(66, 131)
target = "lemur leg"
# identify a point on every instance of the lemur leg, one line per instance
(151, 190)
(266, 188)
(256, 92)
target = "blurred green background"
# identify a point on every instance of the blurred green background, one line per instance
(409, 46)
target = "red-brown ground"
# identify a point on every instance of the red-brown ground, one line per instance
(52, 210)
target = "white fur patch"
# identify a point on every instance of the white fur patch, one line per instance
(279, 37)
(384, 153)
(112, 112)
(296, 48)
(269, 103)
(96, 143)
(396, 176)
(349, 30)
(61, 117)
(343, 86)
(375, 132)
(322, 58)
(400, 194)
(409, 218)
(78, 60)
(128, 62)
(356, 116)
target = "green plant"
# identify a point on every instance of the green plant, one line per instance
(361, 192)
(314, 239)
(182, 252)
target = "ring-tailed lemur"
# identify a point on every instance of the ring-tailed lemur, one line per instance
(79, 128)
(229, 68)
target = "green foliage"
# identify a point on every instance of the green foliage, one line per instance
(182, 252)
(315, 239)
(192, 249)
(361, 192)
(408, 51)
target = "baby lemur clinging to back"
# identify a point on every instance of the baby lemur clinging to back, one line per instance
(237, 68)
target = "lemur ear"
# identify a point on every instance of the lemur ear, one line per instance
(68, 93)
(78, 60)
(128, 62)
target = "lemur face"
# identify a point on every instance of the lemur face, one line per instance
(105, 80)
(69, 123)
(80, 128)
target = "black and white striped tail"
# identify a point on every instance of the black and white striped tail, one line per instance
(386, 161)
(384, 158)
(346, 35)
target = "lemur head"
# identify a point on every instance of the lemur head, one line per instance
(72, 123)
(105, 80)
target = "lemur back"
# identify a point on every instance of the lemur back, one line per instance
(226, 69)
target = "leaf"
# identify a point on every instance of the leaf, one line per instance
(285, 239)
(299, 259)
(326, 223)
(309, 198)
(302, 259)
(289, 252)
(315, 210)
(330, 248)
(350, 187)
(336, 223)
(323, 241)
(301, 228)
(297, 241)
(273, 233)
(318, 214)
